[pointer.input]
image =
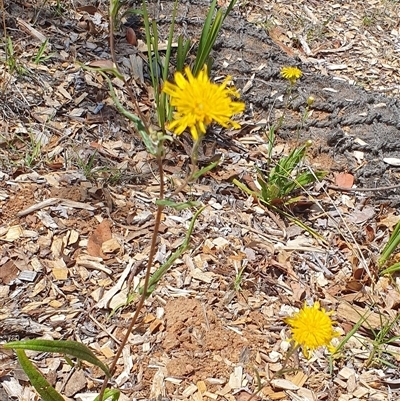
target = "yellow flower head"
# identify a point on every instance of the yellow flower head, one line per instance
(312, 328)
(199, 102)
(292, 74)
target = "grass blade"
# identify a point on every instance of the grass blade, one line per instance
(390, 247)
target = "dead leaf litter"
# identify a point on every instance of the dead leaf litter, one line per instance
(77, 207)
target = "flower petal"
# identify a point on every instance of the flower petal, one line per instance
(199, 102)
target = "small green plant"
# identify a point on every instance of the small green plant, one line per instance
(278, 186)
(269, 24)
(40, 56)
(388, 250)
(59, 7)
(380, 352)
(11, 59)
(93, 170)
(33, 151)
(318, 31)
(87, 166)
(237, 284)
(379, 346)
(114, 177)
(25, 152)
(367, 21)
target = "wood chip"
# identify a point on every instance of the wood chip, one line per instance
(235, 379)
(282, 384)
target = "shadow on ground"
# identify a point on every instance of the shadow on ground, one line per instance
(345, 118)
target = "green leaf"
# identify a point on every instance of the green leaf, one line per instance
(244, 188)
(181, 53)
(110, 393)
(42, 386)
(157, 275)
(209, 35)
(205, 169)
(390, 247)
(392, 269)
(265, 189)
(73, 348)
(179, 205)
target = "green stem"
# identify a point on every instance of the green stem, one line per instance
(194, 157)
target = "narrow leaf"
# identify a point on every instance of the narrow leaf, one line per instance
(179, 205)
(390, 247)
(110, 393)
(392, 269)
(73, 348)
(157, 275)
(42, 386)
(205, 169)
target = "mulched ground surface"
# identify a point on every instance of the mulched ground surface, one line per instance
(77, 193)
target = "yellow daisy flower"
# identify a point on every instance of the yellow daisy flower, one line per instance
(292, 74)
(199, 102)
(312, 328)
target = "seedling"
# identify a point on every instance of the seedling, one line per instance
(11, 59)
(278, 186)
(388, 250)
(40, 56)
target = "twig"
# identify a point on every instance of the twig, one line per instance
(54, 201)
(344, 189)
(104, 329)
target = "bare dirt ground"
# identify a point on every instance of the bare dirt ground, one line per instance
(77, 193)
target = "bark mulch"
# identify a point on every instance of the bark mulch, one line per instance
(77, 193)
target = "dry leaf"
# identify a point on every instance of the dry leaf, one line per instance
(369, 233)
(100, 235)
(92, 10)
(131, 36)
(390, 221)
(361, 216)
(102, 64)
(8, 272)
(344, 180)
(13, 233)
